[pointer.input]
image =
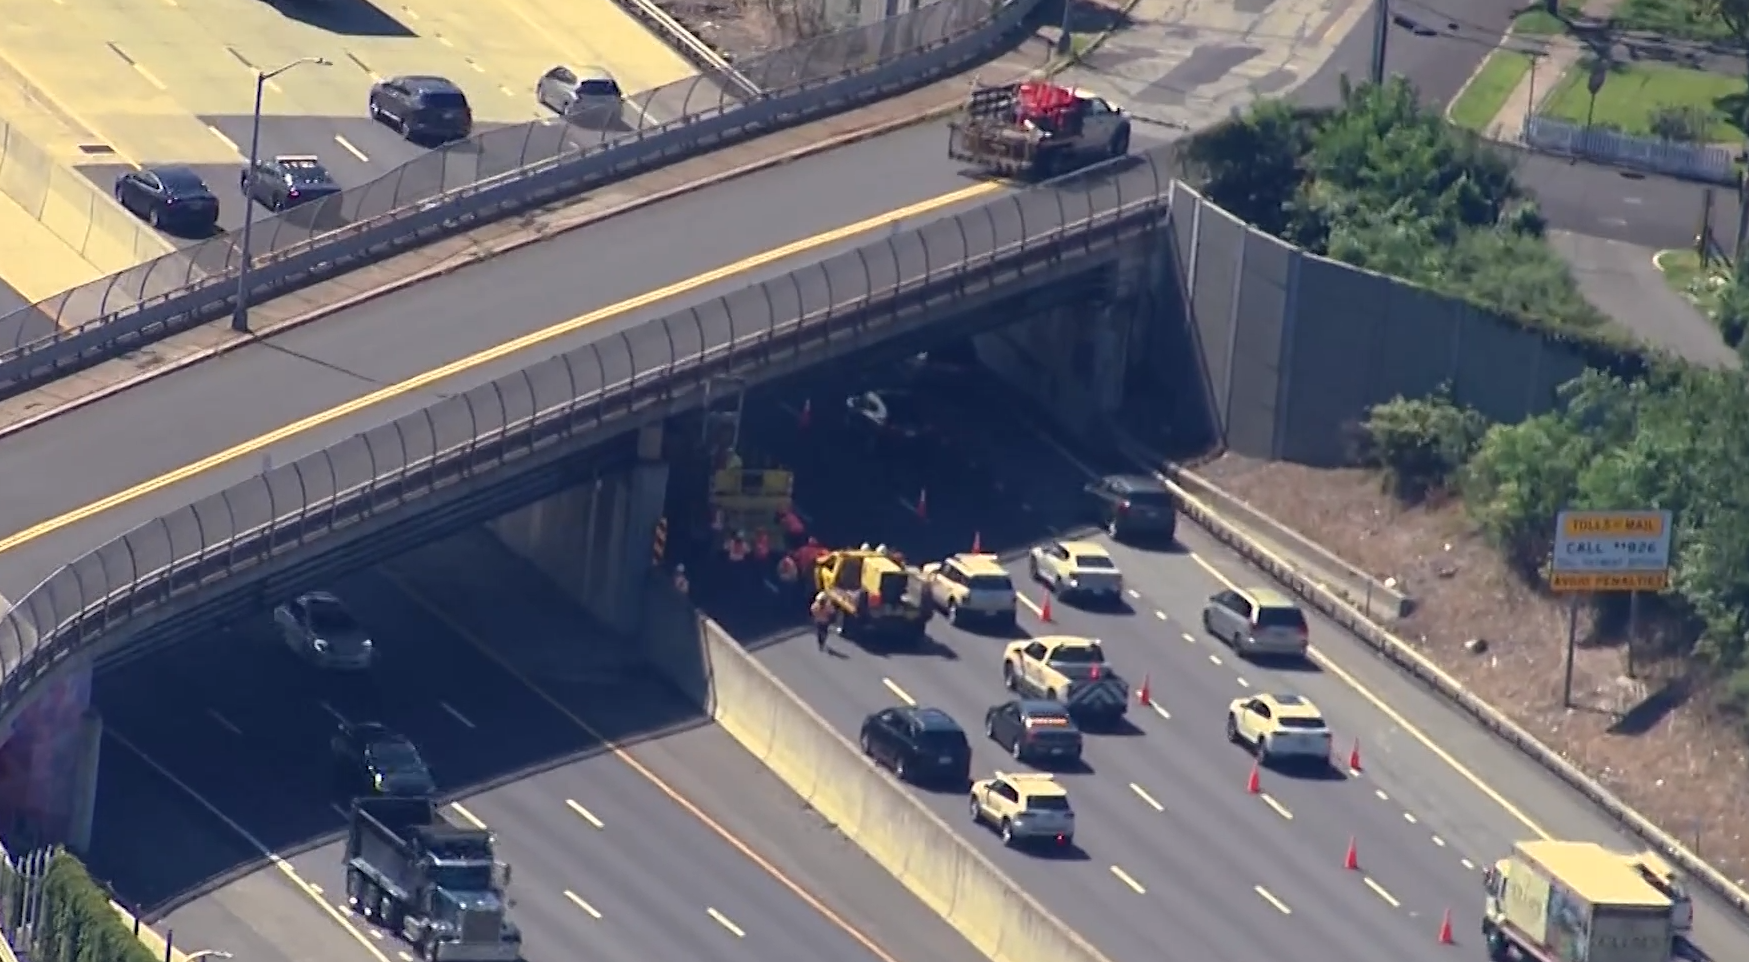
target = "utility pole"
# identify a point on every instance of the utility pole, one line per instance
(1381, 31)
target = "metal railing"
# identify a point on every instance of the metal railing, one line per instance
(836, 306)
(509, 168)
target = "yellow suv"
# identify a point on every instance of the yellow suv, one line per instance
(971, 586)
(1279, 728)
(1024, 807)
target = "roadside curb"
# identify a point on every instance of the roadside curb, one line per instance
(1436, 679)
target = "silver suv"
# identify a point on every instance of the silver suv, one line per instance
(586, 95)
(1257, 621)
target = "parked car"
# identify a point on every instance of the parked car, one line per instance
(586, 94)
(289, 180)
(422, 108)
(1134, 506)
(170, 198)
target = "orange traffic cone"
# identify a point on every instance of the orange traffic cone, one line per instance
(1145, 694)
(806, 417)
(977, 543)
(1044, 610)
(923, 503)
(1445, 930)
(1351, 861)
(1254, 784)
(1354, 757)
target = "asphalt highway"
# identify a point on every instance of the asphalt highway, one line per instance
(1166, 804)
(625, 852)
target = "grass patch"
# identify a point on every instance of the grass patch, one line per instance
(1537, 21)
(1634, 92)
(1481, 101)
(1684, 19)
(1694, 282)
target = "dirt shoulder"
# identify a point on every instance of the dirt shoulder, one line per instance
(1674, 760)
(743, 29)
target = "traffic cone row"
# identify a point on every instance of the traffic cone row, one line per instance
(1354, 757)
(1044, 610)
(1350, 857)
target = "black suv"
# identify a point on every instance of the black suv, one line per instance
(1134, 506)
(422, 108)
(288, 180)
(1034, 731)
(370, 759)
(921, 745)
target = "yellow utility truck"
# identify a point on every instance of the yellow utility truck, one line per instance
(1553, 901)
(878, 598)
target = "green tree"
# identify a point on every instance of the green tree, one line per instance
(1250, 165)
(1420, 443)
(78, 923)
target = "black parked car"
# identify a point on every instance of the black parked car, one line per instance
(370, 759)
(289, 180)
(171, 198)
(422, 108)
(1134, 506)
(1034, 731)
(921, 745)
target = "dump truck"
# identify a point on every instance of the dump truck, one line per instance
(1068, 670)
(1556, 901)
(430, 882)
(1036, 130)
(753, 501)
(878, 598)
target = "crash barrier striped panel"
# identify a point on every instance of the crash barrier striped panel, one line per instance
(1716, 165)
(1417, 665)
(499, 172)
(659, 543)
(190, 558)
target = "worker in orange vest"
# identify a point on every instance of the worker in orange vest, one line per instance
(787, 572)
(821, 610)
(761, 546)
(792, 523)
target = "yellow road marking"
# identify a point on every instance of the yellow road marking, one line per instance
(488, 356)
(734, 841)
(1397, 719)
(284, 867)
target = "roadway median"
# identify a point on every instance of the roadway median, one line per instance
(866, 804)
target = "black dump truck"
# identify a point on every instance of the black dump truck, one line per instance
(430, 882)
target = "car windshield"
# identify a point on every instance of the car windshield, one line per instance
(181, 181)
(944, 743)
(1090, 655)
(1047, 803)
(331, 617)
(1281, 618)
(1304, 724)
(598, 88)
(306, 175)
(443, 99)
(1093, 562)
(396, 755)
(990, 583)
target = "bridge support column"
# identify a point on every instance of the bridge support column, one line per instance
(88, 753)
(593, 541)
(1070, 360)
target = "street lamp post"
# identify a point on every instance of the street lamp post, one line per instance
(240, 314)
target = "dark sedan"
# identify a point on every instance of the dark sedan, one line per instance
(172, 198)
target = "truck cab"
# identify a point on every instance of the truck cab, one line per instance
(875, 594)
(1037, 129)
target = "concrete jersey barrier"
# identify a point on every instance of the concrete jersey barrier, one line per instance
(161, 314)
(868, 805)
(73, 208)
(1404, 656)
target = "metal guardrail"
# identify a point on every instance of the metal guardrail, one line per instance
(842, 304)
(501, 171)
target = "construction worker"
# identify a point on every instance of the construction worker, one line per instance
(681, 585)
(791, 523)
(787, 572)
(821, 610)
(761, 547)
(736, 552)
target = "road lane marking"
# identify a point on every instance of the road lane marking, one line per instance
(1409, 817)
(458, 716)
(477, 68)
(723, 920)
(577, 900)
(1468, 864)
(330, 710)
(404, 955)
(1215, 659)
(343, 813)
(1030, 605)
(1160, 615)
(1189, 639)
(150, 78)
(224, 722)
(1242, 682)
(347, 146)
(1379, 890)
(898, 692)
(1159, 710)
(228, 142)
(643, 771)
(1269, 897)
(468, 816)
(1396, 717)
(583, 813)
(1143, 794)
(1280, 809)
(375, 934)
(1439, 841)
(284, 867)
(1133, 593)
(489, 356)
(1381, 794)
(1125, 878)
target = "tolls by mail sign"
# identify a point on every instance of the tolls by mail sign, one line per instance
(1611, 551)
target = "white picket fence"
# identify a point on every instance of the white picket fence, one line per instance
(1702, 162)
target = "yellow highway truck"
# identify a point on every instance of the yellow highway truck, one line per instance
(1553, 901)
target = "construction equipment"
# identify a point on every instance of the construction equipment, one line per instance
(432, 883)
(878, 598)
(1554, 901)
(1036, 130)
(752, 501)
(1069, 670)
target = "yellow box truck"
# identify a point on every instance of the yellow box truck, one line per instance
(1553, 901)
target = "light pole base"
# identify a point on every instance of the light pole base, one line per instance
(240, 319)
